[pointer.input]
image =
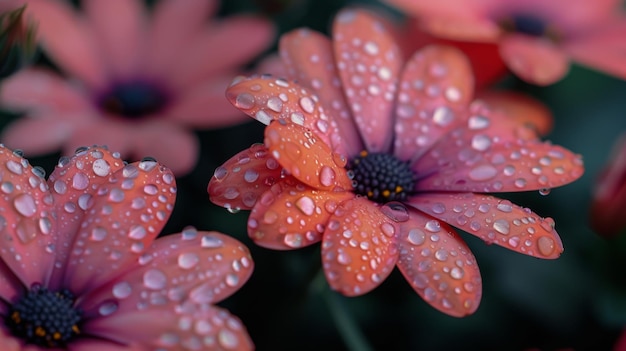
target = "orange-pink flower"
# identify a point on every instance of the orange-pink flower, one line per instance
(536, 38)
(608, 205)
(80, 250)
(136, 81)
(378, 158)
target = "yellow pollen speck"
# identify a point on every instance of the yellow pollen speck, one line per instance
(56, 336)
(386, 193)
(39, 331)
(15, 316)
(75, 329)
(363, 153)
(399, 189)
(370, 194)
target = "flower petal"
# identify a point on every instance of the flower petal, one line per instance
(291, 215)
(28, 224)
(37, 134)
(487, 155)
(120, 29)
(358, 247)
(495, 221)
(240, 38)
(522, 108)
(240, 181)
(369, 63)
(195, 266)
(265, 99)
(308, 57)
(72, 184)
(439, 265)
(305, 157)
(121, 220)
(435, 89)
(68, 39)
(169, 291)
(10, 287)
(535, 60)
(51, 92)
(190, 327)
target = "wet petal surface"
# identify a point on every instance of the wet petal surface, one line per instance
(439, 265)
(358, 247)
(306, 157)
(292, 215)
(369, 63)
(495, 221)
(240, 181)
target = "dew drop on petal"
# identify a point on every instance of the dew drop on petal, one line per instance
(327, 176)
(482, 172)
(231, 280)
(25, 205)
(101, 167)
(306, 205)
(122, 290)
(98, 234)
(211, 242)
(107, 308)
(188, 260)
(545, 245)
(544, 191)
(227, 339)
(416, 236)
(396, 211)
(501, 226)
(154, 279)
(80, 181)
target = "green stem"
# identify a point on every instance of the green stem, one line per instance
(348, 329)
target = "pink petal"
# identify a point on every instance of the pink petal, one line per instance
(174, 23)
(291, 215)
(40, 89)
(170, 144)
(369, 64)
(308, 59)
(99, 345)
(495, 221)
(71, 184)
(225, 45)
(204, 106)
(119, 27)
(478, 29)
(602, 49)
(487, 156)
(122, 218)
(68, 39)
(192, 327)
(305, 157)
(521, 108)
(436, 87)
(10, 287)
(266, 99)
(358, 247)
(28, 222)
(439, 265)
(214, 266)
(9, 343)
(451, 8)
(38, 134)
(535, 60)
(240, 181)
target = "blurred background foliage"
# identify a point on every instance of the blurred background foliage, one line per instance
(577, 301)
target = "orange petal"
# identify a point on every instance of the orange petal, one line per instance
(435, 90)
(495, 221)
(28, 222)
(122, 218)
(308, 57)
(72, 184)
(238, 183)
(291, 215)
(521, 108)
(535, 60)
(305, 157)
(495, 154)
(358, 247)
(369, 63)
(439, 265)
(266, 99)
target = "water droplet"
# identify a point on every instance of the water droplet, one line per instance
(545, 245)
(25, 205)
(231, 280)
(441, 254)
(251, 175)
(211, 242)
(80, 181)
(188, 260)
(245, 101)
(137, 232)
(327, 176)
(227, 339)
(154, 279)
(501, 226)
(293, 240)
(396, 211)
(482, 172)
(344, 258)
(150, 189)
(433, 226)
(101, 167)
(477, 122)
(544, 191)
(107, 308)
(481, 142)
(416, 236)
(443, 116)
(438, 208)
(122, 290)
(306, 205)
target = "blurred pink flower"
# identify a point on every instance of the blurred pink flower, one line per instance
(137, 82)
(608, 203)
(82, 245)
(536, 38)
(378, 158)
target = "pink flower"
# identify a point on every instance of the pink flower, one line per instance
(536, 38)
(377, 158)
(136, 82)
(82, 245)
(608, 204)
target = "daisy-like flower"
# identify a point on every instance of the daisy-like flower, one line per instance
(80, 268)
(377, 158)
(137, 82)
(608, 205)
(536, 38)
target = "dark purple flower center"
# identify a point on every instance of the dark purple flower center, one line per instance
(44, 318)
(134, 99)
(526, 24)
(381, 177)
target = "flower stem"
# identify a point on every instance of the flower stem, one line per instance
(348, 329)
